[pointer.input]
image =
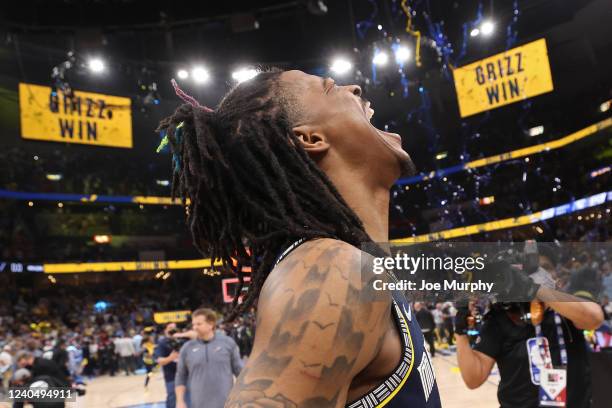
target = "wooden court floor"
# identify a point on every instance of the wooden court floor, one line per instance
(128, 391)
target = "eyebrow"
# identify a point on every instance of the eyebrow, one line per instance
(323, 83)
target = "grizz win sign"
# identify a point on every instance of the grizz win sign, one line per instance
(512, 76)
(86, 118)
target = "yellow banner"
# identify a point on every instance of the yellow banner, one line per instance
(512, 76)
(87, 118)
(176, 316)
(127, 266)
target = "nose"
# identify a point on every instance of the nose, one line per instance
(354, 89)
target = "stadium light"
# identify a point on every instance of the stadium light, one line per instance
(486, 200)
(536, 131)
(604, 107)
(96, 65)
(487, 28)
(341, 66)
(182, 74)
(200, 75)
(380, 58)
(402, 54)
(475, 32)
(53, 177)
(102, 239)
(244, 74)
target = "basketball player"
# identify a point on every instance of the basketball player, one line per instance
(290, 164)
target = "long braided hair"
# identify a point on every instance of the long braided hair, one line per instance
(246, 181)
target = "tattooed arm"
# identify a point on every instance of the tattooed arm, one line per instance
(318, 327)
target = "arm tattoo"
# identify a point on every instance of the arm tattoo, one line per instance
(255, 387)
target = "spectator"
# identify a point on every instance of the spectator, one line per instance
(166, 356)
(124, 348)
(39, 366)
(148, 349)
(206, 364)
(426, 321)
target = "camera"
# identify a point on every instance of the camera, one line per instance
(175, 343)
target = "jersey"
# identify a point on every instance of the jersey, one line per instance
(413, 382)
(147, 353)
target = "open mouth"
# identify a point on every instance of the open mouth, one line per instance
(369, 113)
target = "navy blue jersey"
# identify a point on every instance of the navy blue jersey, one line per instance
(413, 383)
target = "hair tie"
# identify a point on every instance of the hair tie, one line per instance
(178, 132)
(178, 135)
(187, 98)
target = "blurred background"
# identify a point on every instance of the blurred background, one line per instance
(92, 246)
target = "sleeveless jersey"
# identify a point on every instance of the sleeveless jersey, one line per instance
(413, 383)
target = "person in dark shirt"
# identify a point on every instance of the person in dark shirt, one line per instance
(505, 339)
(447, 317)
(42, 367)
(166, 356)
(60, 355)
(24, 378)
(426, 321)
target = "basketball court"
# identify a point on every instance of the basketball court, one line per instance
(129, 392)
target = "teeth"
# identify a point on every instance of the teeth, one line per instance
(370, 112)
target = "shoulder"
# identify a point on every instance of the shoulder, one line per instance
(316, 261)
(189, 343)
(225, 339)
(317, 323)
(322, 290)
(324, 250)
(221, 336)
(319, 269)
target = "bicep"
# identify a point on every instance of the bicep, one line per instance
(316, 333)
(490, 339)
(485, 365)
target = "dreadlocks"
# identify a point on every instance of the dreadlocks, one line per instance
(246, 181)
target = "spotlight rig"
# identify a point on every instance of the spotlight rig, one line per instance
(59, 73)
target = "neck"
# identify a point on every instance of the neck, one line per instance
(207, 336)
(370, 201)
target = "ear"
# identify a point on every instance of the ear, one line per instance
(313, 141)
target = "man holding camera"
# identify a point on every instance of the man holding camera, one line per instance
(206, 365)
(166, 355)
(539, 346)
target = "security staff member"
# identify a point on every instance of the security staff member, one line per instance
(510, 342)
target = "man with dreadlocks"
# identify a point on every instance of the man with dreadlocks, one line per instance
(290, 164)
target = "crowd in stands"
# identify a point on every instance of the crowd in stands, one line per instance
(526, 185)
(52, 234)
(81, 172)
(90, 337)
(103, 329)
